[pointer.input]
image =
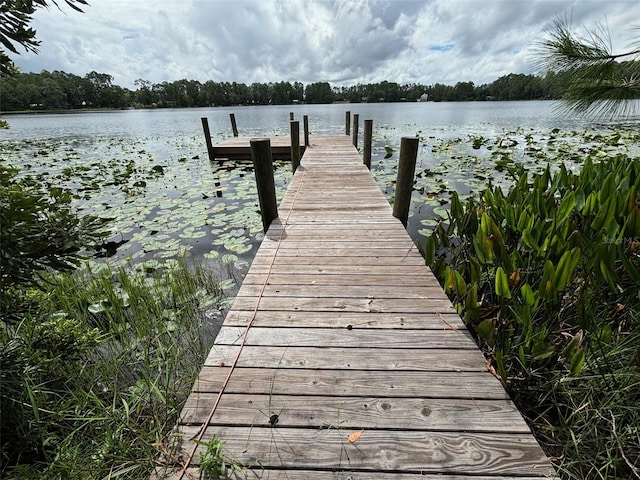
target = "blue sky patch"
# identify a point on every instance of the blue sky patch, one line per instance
(440, 48)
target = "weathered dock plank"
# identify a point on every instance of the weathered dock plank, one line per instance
(239, 148)
(339, 327)
(378, 450)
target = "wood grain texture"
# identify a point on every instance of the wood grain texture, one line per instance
(340, 383)
(344, 337)
(359, 358)
(354, 320)
(380, 450)
(355, 412)
(338, 327)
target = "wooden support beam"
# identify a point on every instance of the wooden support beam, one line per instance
(295, 145)
(305, 119)
(406, 173)
(368, 139)
(263, 168)
(356, 118)
(347, 122)
(234, 127)
(207, 137)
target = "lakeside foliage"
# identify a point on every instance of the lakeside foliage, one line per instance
(96, 364)
(585, 398)
(546, 275)
(60, 90)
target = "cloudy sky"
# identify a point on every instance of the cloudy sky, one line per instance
(343, 42)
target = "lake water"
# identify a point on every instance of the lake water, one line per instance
(148, 170)
(463, 117)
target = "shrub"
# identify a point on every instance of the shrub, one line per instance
(547, 277)
(39, 231)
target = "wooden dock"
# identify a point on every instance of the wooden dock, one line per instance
(342, 358)
(238, 148)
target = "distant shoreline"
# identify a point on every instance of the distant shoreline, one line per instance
(149, 107)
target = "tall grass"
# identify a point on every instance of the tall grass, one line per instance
(95, 375)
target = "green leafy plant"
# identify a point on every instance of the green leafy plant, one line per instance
(546, 275)
(99, 390)
(212, 462)
(39, 232)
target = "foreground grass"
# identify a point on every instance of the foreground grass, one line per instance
(96, 373)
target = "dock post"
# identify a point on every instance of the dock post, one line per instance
(356, 117)
(234, 127)
(305, 120)
(347, 122)
(207, 137)
(295, 145)
(291, 116)
(263, 168)
(406, 173)
(368, 138)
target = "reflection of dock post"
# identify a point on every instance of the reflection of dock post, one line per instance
(263, 168)
(406, 173)
(305, 120)
(368, 138)
(356, 118)
(295, 146)
(347, 122)
(207, 137)
(234, 127)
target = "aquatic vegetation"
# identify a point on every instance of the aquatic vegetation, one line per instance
(546, 274)
(467, 165)
(171, 203)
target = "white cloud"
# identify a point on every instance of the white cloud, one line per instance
(340, 41)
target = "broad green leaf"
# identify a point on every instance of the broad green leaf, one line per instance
(486, 331)
(502, 284)
(459, 283)
(565, 209)
(577, 360)
(565, 268)
(605, 213)
(529, 241)
(471, 299)
(529, 297)
(430, 250)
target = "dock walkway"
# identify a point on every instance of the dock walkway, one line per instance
(342, 358)
(239, 148)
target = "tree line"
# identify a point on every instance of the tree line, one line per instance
(60, 90)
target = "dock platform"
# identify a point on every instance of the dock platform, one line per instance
(239, 148)
(343, 359)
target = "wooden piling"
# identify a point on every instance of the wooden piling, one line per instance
(406, 173)
(234, 127)
(305, 120)
(207, 137)
(347, 122)
(368, 138)
(291, 116)
(263, 168)
(356, 118)
(295, 145)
